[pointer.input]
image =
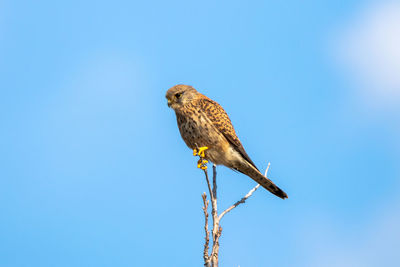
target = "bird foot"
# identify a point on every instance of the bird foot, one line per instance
(200, 151)
(202, 163)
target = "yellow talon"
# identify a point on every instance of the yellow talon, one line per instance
(201, 164)
(201, 151)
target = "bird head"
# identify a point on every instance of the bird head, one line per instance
(180, 95)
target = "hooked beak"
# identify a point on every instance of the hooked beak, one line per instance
(169, 103)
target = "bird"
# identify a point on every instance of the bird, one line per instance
(207, 129)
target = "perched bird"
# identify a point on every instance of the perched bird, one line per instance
(206, 128)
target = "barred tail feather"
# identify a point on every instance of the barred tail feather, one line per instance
(270, 186)
(254, 174)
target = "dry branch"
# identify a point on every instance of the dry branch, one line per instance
(212, 259)
(243, 199)
(207, 238)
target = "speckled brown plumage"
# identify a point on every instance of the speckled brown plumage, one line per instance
(203, 122)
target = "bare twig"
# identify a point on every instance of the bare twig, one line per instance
(243, 200)
(207, 232)
(214, 213)
(215, 181)
(209, 185)
(212, 259)
(216, 247)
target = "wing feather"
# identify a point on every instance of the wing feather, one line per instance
(217, 115)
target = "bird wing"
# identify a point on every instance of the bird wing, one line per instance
(219, 118)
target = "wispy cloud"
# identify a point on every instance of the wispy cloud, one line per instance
(369, 48)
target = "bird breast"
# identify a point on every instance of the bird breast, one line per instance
(196, 130)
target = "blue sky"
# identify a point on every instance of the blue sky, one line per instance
(93, 169)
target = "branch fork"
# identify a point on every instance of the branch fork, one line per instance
(211, 260)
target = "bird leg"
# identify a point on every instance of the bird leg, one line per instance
(202, 163)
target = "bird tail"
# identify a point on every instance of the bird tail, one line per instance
(255, 174)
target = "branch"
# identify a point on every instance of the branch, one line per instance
(209, 186)
(216, 231)
(215, 182)
(214, 213)
(212, 259)
(207, 238)
(243, 200)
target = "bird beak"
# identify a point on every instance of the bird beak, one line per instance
(169, 103)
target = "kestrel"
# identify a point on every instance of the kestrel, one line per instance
(206, 128)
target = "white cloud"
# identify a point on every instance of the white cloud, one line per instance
(369, 48)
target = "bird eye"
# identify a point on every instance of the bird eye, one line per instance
(178, 95)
